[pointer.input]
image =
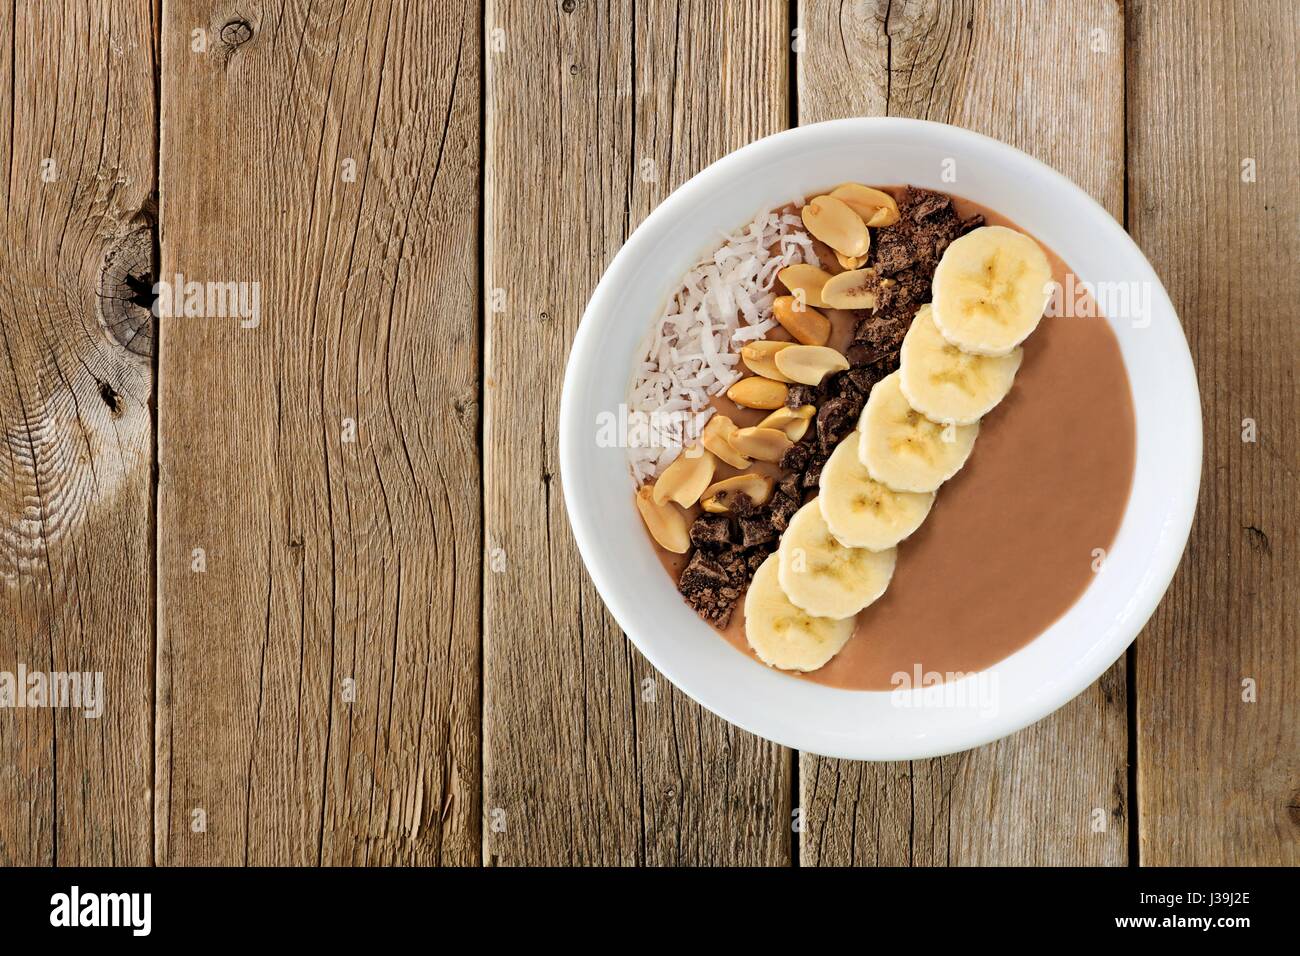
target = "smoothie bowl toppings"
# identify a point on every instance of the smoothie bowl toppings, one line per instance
(692, 353)
(825, 372)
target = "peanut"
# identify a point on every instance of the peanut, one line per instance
(805, 324)
(793, 421)
(851, 290)
(832, 221)
(758, 392)
(809, 364)
(849, 263)
(876, 208)
(807, 279)
(686, 478)
(758, 357)
(718, 496)
(666, 522)
(763, 444)
(717, 439)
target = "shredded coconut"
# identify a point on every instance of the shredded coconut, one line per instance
(691, 353)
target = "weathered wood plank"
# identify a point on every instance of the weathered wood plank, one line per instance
(319, 539)
(713, 794)
(1048, 78)
(590, 756)
(1214, 201)
(76, 431)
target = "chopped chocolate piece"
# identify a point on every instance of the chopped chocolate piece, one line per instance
(831, 418)
(856, 401)
(925, 204)
(895, 251)
(711, 531)
(712, 605)
(964, 226)
(757, 557)
(840, 385)
(844, 387)
(863, 379)
(914, 286)
(741, 504)
(736, 502)
(800, 395)
(897, 299)
(789, 486)
(736, 561)
(796, 457)
(835, 419)
(906, 253)
(878, 363)
(712, 584)
(702, 572)
(859, 354)
(782, 508)
(813, 474)
(888, 364)
(756, 529)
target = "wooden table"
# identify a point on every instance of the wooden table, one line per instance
(323, 562)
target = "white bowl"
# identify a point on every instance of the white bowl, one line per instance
(903, 724)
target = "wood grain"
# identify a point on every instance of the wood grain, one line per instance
(375, 642)
(318, 678)
(1047, 78)
(75, 430)
(713, 794)
(590, 756)
(1213, 92)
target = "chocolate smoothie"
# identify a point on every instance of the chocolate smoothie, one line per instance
(1013, 538)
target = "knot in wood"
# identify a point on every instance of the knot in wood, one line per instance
(236, 33)
(126, 293)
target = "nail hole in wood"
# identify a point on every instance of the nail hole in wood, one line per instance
(111, 399)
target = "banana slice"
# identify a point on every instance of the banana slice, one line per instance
(990, 290)
(821, 576)
(781, 634)
(902, 448)
(861, 512)
(948, 385)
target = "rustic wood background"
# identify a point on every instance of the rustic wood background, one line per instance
(324, 563)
